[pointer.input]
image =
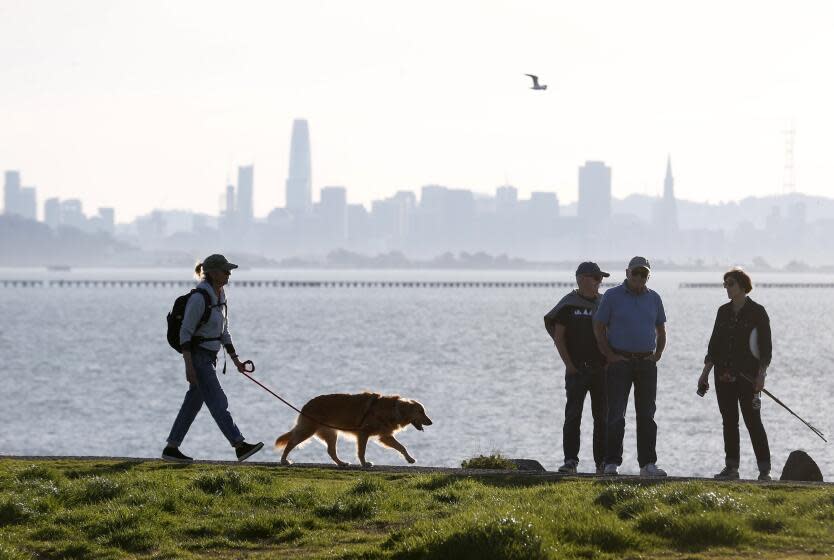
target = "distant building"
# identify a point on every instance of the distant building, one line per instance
(333, 208)
(299, 185)
(594, 207)
(245, 190)
(666, 210)
(28, 203)
(543, 206)
(107, 216)
(11, 193)
(506, 199)
(72, 214)
(52, 212)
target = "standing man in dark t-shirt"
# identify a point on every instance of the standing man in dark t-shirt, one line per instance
(570, 326)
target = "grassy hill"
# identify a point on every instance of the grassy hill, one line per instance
(132, 509)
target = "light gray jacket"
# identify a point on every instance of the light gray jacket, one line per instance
(216, 326)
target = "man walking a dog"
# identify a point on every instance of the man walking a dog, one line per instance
(570, 326)
(630, 328)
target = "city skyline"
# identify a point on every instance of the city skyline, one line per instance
(95, 110)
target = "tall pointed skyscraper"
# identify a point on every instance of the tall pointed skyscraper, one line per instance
(299, 181)
(666, 211)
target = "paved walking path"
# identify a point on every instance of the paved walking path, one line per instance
(404, 469)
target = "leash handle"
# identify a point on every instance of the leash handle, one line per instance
(249, 363)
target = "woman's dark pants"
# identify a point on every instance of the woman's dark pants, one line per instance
(619, 377)
(578, 385)
(732, 396)
(207, 390)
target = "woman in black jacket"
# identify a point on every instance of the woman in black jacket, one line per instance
(739, 373)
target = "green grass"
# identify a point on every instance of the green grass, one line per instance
(110, 509)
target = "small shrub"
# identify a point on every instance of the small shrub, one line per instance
(223, 482)
(495, 461)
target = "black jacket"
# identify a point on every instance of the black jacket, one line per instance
(729, 345)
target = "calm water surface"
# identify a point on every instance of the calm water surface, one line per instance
(87, 371)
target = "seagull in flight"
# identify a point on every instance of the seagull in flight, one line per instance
(536, 82)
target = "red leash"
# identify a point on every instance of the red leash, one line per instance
(247, 371)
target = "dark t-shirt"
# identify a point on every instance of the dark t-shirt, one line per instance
(579, 334)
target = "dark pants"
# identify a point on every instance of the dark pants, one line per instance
(207, 390)
(732, 396)
(619, 378)
(578, 385)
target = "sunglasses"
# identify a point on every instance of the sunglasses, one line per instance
(641, 272)
(596, 277)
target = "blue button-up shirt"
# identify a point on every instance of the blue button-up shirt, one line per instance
(631, 318)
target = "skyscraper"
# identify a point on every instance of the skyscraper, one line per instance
(299, 186)
(52, 212)
(245, 188)
(333, 208)
(11, 193)
(27, 205)
(666, 210)
(594, 207)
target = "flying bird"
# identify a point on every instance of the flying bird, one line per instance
(536, 82)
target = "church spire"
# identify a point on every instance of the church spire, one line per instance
(669, 182)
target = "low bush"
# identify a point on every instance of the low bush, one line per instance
(495, 461)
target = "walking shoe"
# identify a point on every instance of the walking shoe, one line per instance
(173, 455)
(601, 468)
(765, 476)
(610, 468)
(245, 450)
(652, 470)
(568, 468)
(727, 473)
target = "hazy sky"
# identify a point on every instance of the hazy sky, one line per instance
(147, 104)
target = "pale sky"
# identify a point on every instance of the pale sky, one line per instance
(146, 104)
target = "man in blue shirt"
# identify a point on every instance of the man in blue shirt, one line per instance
(630, 328)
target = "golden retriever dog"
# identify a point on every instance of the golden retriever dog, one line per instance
(363, 416)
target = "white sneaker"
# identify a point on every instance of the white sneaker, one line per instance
(652, 470)
(611, 468)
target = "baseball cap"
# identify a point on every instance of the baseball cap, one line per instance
(589, 267)
(639, 262)
(217, 262)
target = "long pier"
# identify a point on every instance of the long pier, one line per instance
(761, 285)
(284, 284)
(81, 283)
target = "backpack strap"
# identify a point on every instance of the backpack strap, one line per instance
(206, 314)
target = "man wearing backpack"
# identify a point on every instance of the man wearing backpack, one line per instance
(201, 334)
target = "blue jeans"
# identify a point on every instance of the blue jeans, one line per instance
(578, 385)
(619, 378)
(206, 390)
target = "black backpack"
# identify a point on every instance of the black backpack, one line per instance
(177, 313)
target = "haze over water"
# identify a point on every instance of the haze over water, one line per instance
(88, 370)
